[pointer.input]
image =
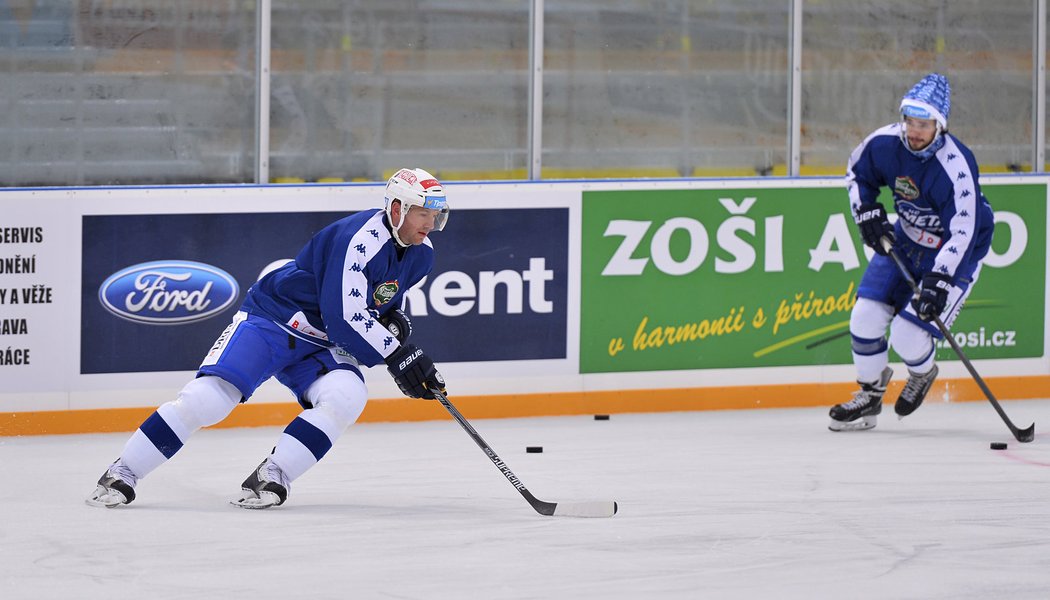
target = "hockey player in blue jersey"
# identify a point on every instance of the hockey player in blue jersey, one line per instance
(943, 231)
(312, 324)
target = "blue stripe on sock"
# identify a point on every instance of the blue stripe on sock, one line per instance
(869, 346)
(310, 436)
(926, 357)
(158, 432)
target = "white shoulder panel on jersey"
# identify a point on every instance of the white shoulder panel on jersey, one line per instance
(963, 225)
(363, 247)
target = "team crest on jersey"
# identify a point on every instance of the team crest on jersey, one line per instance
(905, 188)
(384, 292)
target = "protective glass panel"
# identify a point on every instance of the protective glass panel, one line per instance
(102, 93)
(361, 88)
(861, 56)
(665, 89)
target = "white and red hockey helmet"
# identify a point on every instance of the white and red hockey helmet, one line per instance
(416, 187)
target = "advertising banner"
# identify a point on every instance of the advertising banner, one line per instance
(695, 279)
(28, 279)
(35, 293)
(499, 289)
(109, 297)
(157, 290)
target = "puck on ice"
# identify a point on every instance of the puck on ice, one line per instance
(998, 445)
(601, 417)
(534, 449)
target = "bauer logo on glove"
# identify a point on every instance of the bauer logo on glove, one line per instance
(413, 370)
(408, 359)
(874, 225)
(932, 298)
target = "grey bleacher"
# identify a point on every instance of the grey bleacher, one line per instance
(156, 92)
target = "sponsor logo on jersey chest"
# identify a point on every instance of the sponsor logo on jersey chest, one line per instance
(384, 292)
(906, 188)
(168, 292)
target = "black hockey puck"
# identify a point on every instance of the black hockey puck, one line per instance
(533, 449)
(601, 417)
(998, 446)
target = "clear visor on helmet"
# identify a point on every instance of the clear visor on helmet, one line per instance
(916, 112)
(918, 120)
(429, 202)
(437, 203)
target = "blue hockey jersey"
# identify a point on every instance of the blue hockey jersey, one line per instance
(939, 204)
(346, 276)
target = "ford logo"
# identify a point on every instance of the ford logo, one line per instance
(168, 292)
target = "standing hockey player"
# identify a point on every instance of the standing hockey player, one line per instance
(943, 230)
(311, 323)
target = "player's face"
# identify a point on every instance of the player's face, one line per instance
(418, 223)
(920, 132)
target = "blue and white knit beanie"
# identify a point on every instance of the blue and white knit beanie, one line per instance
(929, 99)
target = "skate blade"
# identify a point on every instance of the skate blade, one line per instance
(253, 502)
(904, 411)
(860, 424)
(105, 498)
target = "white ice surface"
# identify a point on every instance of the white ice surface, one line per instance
(733, 504)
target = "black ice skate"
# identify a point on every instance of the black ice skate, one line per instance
(266, 486)
(914, 392)
(862, 411)
(115, 487)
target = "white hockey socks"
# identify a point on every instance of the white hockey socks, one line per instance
(338, 399)
(867, 328)
(913, 344)
(202, 402)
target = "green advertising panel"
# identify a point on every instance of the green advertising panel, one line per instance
(694, 279)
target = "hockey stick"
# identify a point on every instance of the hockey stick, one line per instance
(1022, 435)
(556, 509)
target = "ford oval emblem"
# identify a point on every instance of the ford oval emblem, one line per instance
(168, 292)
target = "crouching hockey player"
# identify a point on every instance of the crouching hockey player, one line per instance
(943, 231)
(311, 324)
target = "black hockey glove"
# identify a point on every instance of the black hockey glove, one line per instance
(397, 323)
(414, 372)
(932, 296)
(874, 225)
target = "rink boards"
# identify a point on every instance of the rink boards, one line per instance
(546, 298)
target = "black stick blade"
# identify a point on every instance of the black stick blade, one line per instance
(1025, 435)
